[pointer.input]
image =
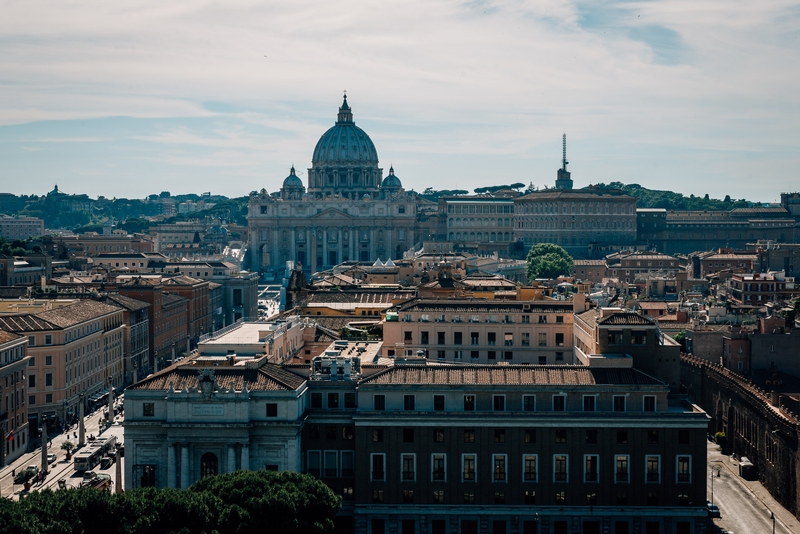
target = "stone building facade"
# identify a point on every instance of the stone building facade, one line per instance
(348, 211)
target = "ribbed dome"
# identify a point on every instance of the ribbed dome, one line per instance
(345, 143)
(292, 181)
(391, 181)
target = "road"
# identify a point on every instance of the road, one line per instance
(61, 469)
(745, 506)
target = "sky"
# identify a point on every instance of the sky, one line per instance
(126, 99)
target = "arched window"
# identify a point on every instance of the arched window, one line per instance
(209, 465)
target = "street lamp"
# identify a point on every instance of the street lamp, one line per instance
(714, 469)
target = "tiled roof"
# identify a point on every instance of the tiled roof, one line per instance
(84, 310)
(127, 302)
(5, 337)
(169, 298)
(268, 377)
(361, 296)
(25, 323)
(180, 280)
(140, 281)
(776, 210)
(580, 263)
(511, 375)
(576, 194)
(625, 317)
(652, 305)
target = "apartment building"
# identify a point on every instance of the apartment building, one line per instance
(20, 227)
(482, 330)
(72, 350)
(13, 407)
(757, 289)
(136, 346)
(418, 446)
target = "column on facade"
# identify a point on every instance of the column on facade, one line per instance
(231, 458)
(171, 466)
(184, 466)
(389, 234)
(312, 248)
(340, 239)
(245, 459)
(293, 248)
(325, 246)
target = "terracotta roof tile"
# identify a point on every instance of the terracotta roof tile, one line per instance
(268, 377)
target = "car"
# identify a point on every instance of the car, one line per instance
(106, 462)
(713, 510)
(51, 458)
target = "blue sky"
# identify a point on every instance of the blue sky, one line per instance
(125, 100)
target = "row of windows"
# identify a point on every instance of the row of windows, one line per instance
(491, 338)
(476, 354)
(477, 318)
(499, 470)
(529, 435)
(527, 525)
(557, 403)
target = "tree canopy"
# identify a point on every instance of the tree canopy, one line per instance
(547, 260)
(243, 502)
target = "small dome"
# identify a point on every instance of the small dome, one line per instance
(391, 181)
(292, 181)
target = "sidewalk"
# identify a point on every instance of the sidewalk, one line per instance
(783, 517)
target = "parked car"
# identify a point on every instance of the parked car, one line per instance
(713, 510)
(51, 458)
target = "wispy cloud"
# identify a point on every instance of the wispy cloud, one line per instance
(451, 92)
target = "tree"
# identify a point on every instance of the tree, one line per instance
(547, 260)
(286, 501)
(680, 337)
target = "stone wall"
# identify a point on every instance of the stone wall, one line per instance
(756, 424)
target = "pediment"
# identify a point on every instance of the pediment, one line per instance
(332, 213)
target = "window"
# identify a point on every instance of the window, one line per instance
(408, 498)
(469, 435)
(474, 338)
(530, 435)
(378, 463)
(621, 461)
(438, 403)
(499, 435)
(377, 435)
(560, 473)
(590, 472)
(653, 466)
(438, 496)
(48, 340)
(31, 342)
(639, 337)
(559, 403)
(331, 468)
(31, 381)
(457, 338)
(684, 468)
(408, 403)
(377, 497)
(526, 319)
(491, 338)
(47, 399)
(622, 437)
(474, 354)
(615, 337)
(468, 467)
(457, 354)
(559, 340)
(649, 403)
(469, 403)
(314, 466)
(499, 497)
(652, 437)
(48, 379)
(316, 400)
(542, 339)
(559, 319)
(330, 431)
(588, 403)
(559, 356)
(491, 355)
(438, 467)
(424, 338)
(272, 409)
(348, 433)
(529, 462)
(561, 435)
(526, 339)
(440, 338)
(409, 466)
(313, 432)
(148, 409)
(683, 437)
(542, 319)
(48, 360)
(379, 402)
(333, 400)
(508, 339)
(529, 403)
(499, 469)
(438, 435)
(619, 403)
(408, 435)
(350, 400)
(591, 436)
(499, 403)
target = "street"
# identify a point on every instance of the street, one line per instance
(745, 505)
(61, 468)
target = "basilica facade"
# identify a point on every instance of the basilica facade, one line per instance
(347, 212)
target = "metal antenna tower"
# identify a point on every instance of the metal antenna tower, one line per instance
(564, 161)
